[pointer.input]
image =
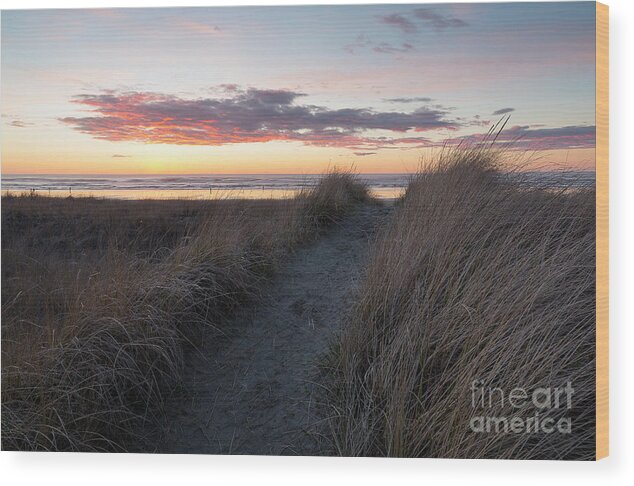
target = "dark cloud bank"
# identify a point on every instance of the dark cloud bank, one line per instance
(259, 115)
(241, 116)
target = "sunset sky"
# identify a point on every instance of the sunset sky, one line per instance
(291, 89)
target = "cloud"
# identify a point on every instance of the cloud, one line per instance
(362, 42)
(229, 87)
(415, 99)
(19, 124)
(401, 143)
(385, 48)
(475, 121)
(242, 116)
(364, 154)
(503, 111)
(438, 21)
(423, 17)
(400, 22)
(119, 156)
(524, 137)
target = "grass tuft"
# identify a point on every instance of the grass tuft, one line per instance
(475, 278)
(100, 298)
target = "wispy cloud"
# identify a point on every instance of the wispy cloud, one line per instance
(385, 48)
(415, 99)
(475, 121)
(503, 111)
(438, 21)
(243, 116)
(119, 156)
(19, 124)
(420, 18)
(362, 42)
(525, 137)
(400, 22)
(364, 154)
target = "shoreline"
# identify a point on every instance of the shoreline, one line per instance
(187, 194)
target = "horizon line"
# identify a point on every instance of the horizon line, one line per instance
(147, 174)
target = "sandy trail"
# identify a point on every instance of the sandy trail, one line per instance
(253, 391)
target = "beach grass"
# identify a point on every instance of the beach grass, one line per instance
(100, 299)
(476, 287)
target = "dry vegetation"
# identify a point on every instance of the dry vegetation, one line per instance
(99, 299)
(474, 279)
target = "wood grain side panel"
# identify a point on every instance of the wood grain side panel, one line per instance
(602, 229)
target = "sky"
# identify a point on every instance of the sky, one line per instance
(292, 89)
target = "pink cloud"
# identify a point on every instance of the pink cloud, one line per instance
(242, 116)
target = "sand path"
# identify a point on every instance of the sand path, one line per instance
(254, 390)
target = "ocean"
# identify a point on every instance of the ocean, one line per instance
(251, 186)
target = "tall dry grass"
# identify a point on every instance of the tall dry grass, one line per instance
(100, 298)
(475, 278)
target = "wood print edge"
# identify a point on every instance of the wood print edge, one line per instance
(602, 231)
